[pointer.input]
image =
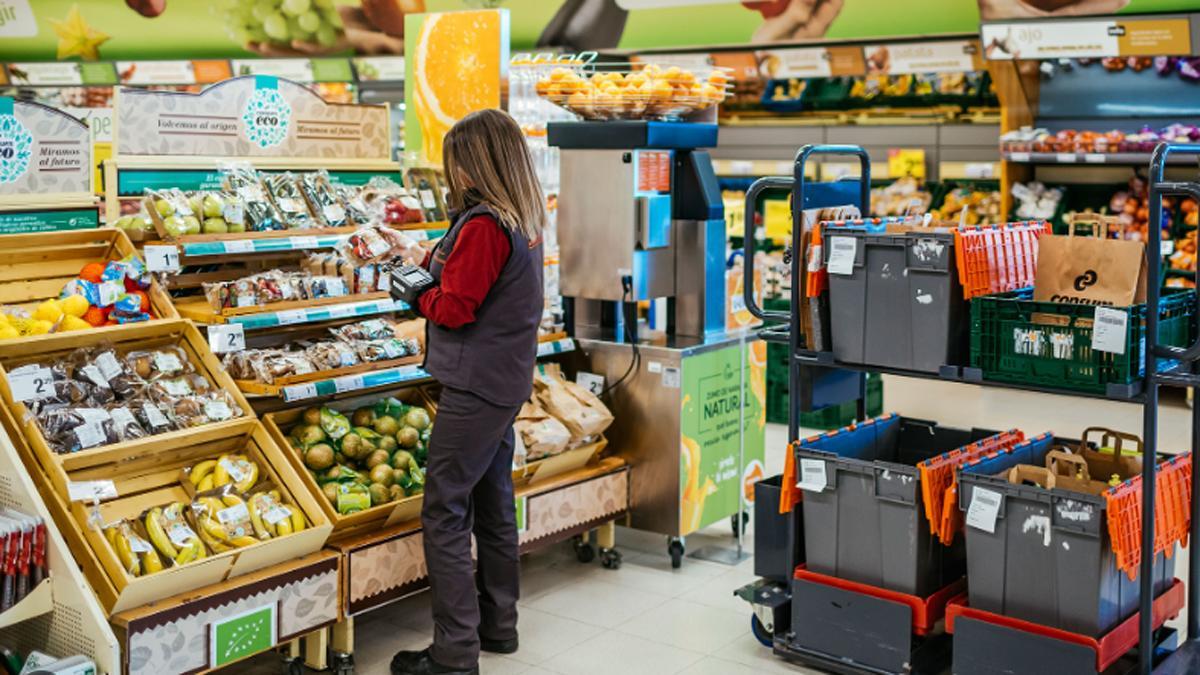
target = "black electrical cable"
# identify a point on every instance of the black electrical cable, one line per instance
(636, 361)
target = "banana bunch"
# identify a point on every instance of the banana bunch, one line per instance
(272, 518)
(163, 522)
(237, 470)
(124, 541)
(224, 523)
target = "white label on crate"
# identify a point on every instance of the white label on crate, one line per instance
(162, 258)
(299, 392)
(236, 473)
(227, 337)
(1018, 156)
(277, 514)
(348, 383)
(240, 246)
(812, 475)
(217, 411)
(166, 362)
(97, 378)
(1167, 247)
(1109, 327)
(428, 201)
(181, 535)
(304, 242)
(155, 416)
(593, 382)
(123, 418)
(110, 291)
(984, 509)
(1065, 158)
(232, 515)
(841, 255)
(90, 435)
(108, 365)
(139, 545)
(177, 387)
(1095, 158)
(234, 214)
(31, 384)
(670, 377)
(654, 367)
(91, 490)
(290, 316)
(247, 300)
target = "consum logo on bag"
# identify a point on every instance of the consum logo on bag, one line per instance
(1086, 279)
(242, 635)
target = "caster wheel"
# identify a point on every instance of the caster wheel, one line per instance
(760, 632)
(733, 522)
(342, 664)
(293, 666)
(584, 552)
(675, 549)
(610, 558)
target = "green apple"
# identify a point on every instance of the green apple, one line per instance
(175, 226)
(213, 206)
(164, 208)
(191, 224)
(215, 226)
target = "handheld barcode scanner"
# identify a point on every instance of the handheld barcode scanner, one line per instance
(409, 282)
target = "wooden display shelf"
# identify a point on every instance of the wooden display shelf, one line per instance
(552, 337)
(131, 337)
(38, 602)
(35, 267)
(549, 467)
(201, 311)
(276, 388)
(255, 236)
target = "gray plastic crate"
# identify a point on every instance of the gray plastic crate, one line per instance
(902, 306)
(1049, 560)
(778, 537)
(868, 522)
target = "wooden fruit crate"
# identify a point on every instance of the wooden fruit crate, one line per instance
(49, 348)
(161, 229)
(35, 267)
(200, 311)
(374, 518)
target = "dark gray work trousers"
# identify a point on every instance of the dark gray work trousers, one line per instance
(468, 488)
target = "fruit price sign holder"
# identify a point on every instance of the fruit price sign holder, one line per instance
(45, 170)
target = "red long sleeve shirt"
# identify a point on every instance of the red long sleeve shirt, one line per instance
(479, 254)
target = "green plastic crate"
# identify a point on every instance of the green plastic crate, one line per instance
(1008, 345)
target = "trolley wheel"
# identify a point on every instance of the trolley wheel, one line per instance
(733, 522)
(342, 663)
(584, 552)
(610, 558)
(293, 666)
(675, 549)
(760, 632)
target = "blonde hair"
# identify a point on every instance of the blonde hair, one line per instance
(488, 149)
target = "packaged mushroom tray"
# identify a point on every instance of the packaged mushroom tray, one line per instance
(362, 458)
(363, 346)
(633, 91)
(84, 400)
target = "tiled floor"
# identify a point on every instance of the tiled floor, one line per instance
(646, 618)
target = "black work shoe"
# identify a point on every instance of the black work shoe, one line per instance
(508, 646)
(422, 663)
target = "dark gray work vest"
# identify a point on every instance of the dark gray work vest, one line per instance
(493, 357)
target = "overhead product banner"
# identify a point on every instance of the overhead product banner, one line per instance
(1086, 38)
(251, 116)
(42, 150)
(953, 56)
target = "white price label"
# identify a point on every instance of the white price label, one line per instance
(985, 507)
(93, 373)
(291, 316)
(654, 367)
(91, 490)
(232, 515)
(1065, 158)
(841, 255)
(247, 300)
(162, 258)
(304, 242)
(277, 514)
(341, 311)
(123, 419)
(348, 383)
(300, 392)
(1109, 327)
(31, 384)
(217, 410)
(234, 213)
(227, 337)
(90, 435)
(428, 201)
(240, 246)
(139, 545)
(812, 475)
(181, 535)
(591, 381)
(154, 416)
(1018, 156)
(335, 286)
(110, 291)
(93, 415)
(236, 471)
(108, 365)
(1167, 247)
(1095, 158)
(980, 170)
(167, 363)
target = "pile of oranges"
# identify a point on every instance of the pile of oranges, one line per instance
(648, 91)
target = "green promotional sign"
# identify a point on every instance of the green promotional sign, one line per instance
(243, 635)
(25, 222)
(719, 404)
(522, 504)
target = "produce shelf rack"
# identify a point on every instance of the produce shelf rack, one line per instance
(1151, 640)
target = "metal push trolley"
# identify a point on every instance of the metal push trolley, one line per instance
(849, 627)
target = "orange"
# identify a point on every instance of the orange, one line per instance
(456, 65)
(95, 316)
(141, 295)
(92, 272)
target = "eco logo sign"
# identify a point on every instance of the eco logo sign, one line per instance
(242, 635)
(16, 144)
(267, 115)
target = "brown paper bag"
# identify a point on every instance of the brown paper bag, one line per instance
(581, 411)
(542, 434)
(1090, 270)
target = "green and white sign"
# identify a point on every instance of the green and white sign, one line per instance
(522, 504)
(25, 222)
(242, 635)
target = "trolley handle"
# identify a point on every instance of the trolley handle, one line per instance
(864, 162)
(757, 188)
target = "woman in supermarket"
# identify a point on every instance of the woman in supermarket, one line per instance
(482, 307)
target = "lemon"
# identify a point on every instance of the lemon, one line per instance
(70, 323)
(40, 327)
(7, 332)
(48, 311)
(75, 305)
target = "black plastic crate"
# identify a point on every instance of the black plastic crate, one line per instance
(902, 305)
(867, 521)
(1049, 559)
(778, 537)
